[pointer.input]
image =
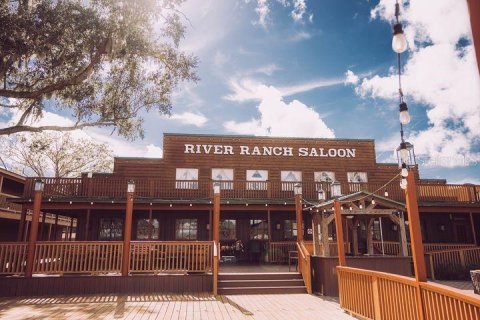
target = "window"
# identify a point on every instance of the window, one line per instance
(223, 175)
(258, 229)
(228, 230)
(260, 177)
(186, 178)
(144, 228)
(324, 176)
(186, 229)
(357, 177)
(290, 229)
(289, 178)
(111, 229)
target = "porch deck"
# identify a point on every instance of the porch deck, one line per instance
(197, 306)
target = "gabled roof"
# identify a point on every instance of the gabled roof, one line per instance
(384, 201)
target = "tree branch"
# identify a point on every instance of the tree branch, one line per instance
(16, 129)
(77, 79)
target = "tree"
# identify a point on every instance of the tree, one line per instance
(55, 154)
(102, 60)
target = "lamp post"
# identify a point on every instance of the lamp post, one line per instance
(37, 202)
(127, 236)
(216, 234)
(297, 189)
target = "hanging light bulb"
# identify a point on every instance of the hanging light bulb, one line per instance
(404, 171)
(403, 183)
(403, 152)
(404, 115)
(386, 193)
(399, 42)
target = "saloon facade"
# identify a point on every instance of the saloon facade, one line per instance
(172, 204)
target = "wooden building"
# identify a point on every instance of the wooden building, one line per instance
(172, 208)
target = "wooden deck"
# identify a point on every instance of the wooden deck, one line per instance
(285, 306)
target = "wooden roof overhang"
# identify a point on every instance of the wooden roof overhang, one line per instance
(362, 204)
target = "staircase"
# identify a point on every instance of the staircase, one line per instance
(260, 283)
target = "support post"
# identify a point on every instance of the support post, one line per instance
(474, 233)
(216, 235)
(403, 236)
(87, 225)
(128, 229)
(150, 224)
(316, 233)
(37, 202)
(355, 236)
(44, 216)
(325, 242)
(370, 236)
(339, 229)
(21, 224)
(418, 254)
(55, 227)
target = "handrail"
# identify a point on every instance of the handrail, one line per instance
(393, 247)
(115, 187)
(304, 266)
(452, 261)
(379, 295)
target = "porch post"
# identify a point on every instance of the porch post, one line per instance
(128, 228)
(316, 233)
(415, 231)
(403, 236)
(216, 234)
(325, 242)
(87, 225)
(370, 236)
(21, 224)
(55, 227)
(339, 229)
(472, 224)
(37, 202)
(355, 236)
(298, 211)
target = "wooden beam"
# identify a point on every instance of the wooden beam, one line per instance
(355, 236)
(216, 239)
(324, 233)
(127, 234)
(21, 224)
(474, 233)
(32, 240)
(403, 236)
(316, 233)
(299, 217)
(474, 9)
(339, 229)
(370, 236)
(87, 225)
(150, 224)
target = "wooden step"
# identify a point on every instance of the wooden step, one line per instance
(260, 283)
(260, 276)
(262, 290)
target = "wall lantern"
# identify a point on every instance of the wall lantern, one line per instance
(131, 186)
(297, 189)
(321, 195)
(336, 189)
(216, 188)
(39, 185)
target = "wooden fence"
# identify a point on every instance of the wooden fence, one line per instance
(12, 257)
(450, 262)
(115, 187)
(393, 247)
(171, 256)
(378, 295)
(279, 251)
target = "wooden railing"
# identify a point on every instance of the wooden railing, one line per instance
(278, 251)
(304, 265)
(393, 247)
(171, 256)
(378, 295)
(453, 261)
(78, 257)
(12, 257)
(114, 187)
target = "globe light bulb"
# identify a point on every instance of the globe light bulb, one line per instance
(403, 152)
(404, 172)
(399, 42)
(404, 115)
(403, 184)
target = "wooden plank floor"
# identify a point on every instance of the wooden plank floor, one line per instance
(174, 307)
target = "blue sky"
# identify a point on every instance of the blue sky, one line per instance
(326, 69)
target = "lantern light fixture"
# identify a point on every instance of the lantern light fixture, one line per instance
(297, 189)
(131, 186)
(336, 189)
(39, 185)
(216, 188)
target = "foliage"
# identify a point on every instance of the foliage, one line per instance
(55, 154)
(101, 60)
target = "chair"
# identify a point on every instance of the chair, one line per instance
(293, 256)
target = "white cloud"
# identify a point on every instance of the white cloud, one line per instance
(351, 78)
(190, 118)
(248, 89)
(300, 36)
(299, 8)
(262, 10)
(278, 118)
(153, 151)
(268, 70)
(438, 74)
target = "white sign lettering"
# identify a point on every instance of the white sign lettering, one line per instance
(269, 151)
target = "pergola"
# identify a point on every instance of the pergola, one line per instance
(357, 208)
